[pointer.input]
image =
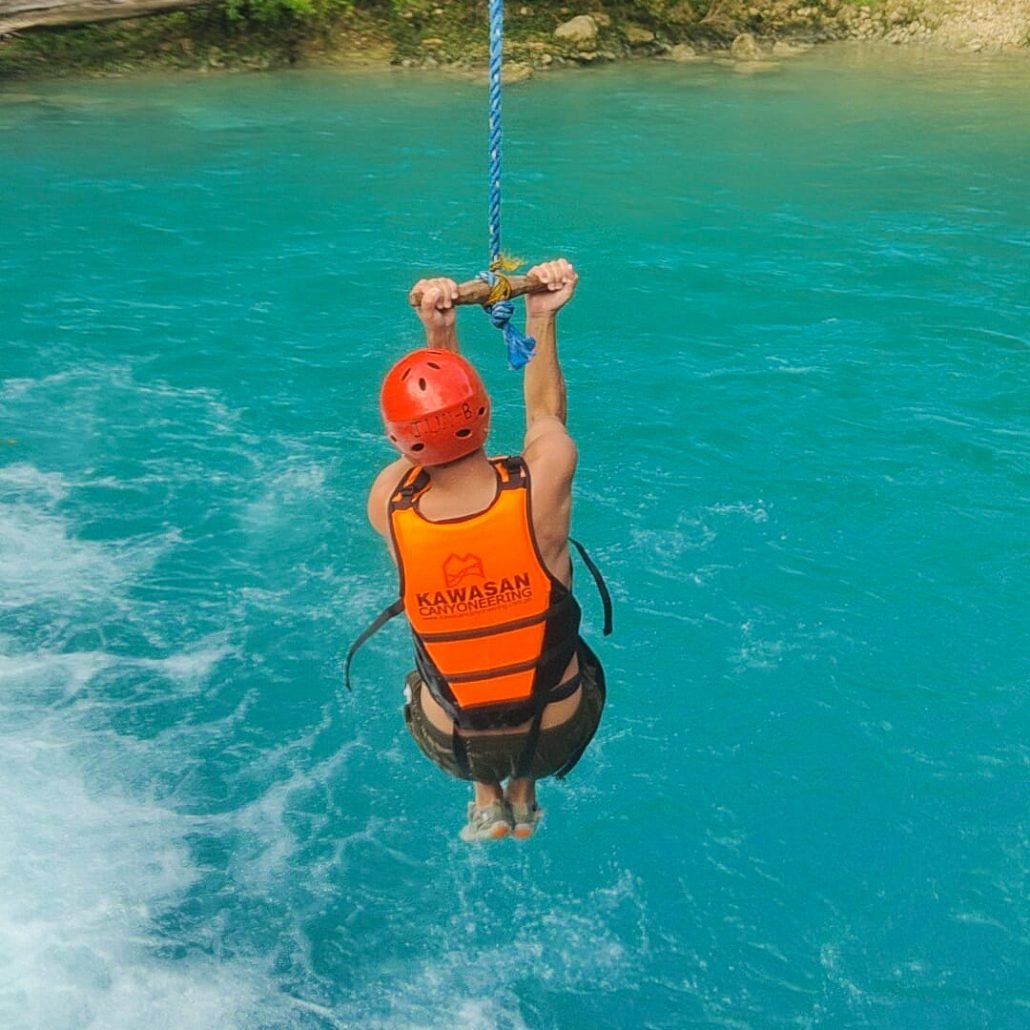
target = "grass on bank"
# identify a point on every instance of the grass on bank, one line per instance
(258, 34)
(275, 33)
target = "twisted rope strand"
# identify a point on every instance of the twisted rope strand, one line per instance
(496, 130)
(499, 307)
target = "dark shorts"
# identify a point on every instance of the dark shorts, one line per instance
(494, 757)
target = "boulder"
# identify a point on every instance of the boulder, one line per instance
(580, 31)
(638, 36)
(682, 52)
(745, 48)
(514, 72)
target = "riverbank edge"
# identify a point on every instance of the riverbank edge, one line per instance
(451, 38)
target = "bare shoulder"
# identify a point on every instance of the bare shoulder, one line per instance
(379, 495)
(549, 450)
(551, 455)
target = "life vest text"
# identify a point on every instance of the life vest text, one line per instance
(492, 593)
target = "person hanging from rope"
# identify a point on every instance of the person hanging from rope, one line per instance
(505, 691)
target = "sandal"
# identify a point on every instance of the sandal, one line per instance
(490, 823)
(525, 819)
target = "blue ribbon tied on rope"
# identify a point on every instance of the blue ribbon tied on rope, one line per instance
(500, 309)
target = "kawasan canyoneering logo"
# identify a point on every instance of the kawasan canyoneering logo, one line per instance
(467, 588)
(460, 566)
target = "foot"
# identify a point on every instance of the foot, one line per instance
(490, 823)
(525, 818)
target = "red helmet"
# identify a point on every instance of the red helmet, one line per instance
(434, 407)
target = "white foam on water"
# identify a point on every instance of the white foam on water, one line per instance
(89, 861)
(22, 478)
(561, 944)
(56, 678)
(86, 868)
(493, 1010)
(294, 481)
(41, 561)
(38, 564)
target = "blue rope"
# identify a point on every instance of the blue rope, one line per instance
(520, 347)
(496, 62)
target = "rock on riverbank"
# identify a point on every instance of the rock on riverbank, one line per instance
(452, 34)
(955, 24)
(747, 32)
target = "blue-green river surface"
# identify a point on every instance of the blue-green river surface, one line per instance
(798, 371)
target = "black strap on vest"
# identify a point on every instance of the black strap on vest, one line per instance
(460, 752)
(411, 488)
(524, 764)
(380, 621)
(516, 469)
(398, 606)
(602, 587)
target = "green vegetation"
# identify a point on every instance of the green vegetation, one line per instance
(252, 34)
(268, 12)
(238, 34)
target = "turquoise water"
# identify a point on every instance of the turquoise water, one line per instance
(798, 367)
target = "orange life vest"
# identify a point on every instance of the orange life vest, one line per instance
(494, 630)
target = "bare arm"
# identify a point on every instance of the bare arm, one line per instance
(548, 449)
(544, 383)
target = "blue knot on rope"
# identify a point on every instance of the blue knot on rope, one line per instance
(520, 347)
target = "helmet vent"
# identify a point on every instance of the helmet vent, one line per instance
(464, 432)
(482, 411)
(421, 383)
(418, 446)
(405, 374)
(433, 364)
